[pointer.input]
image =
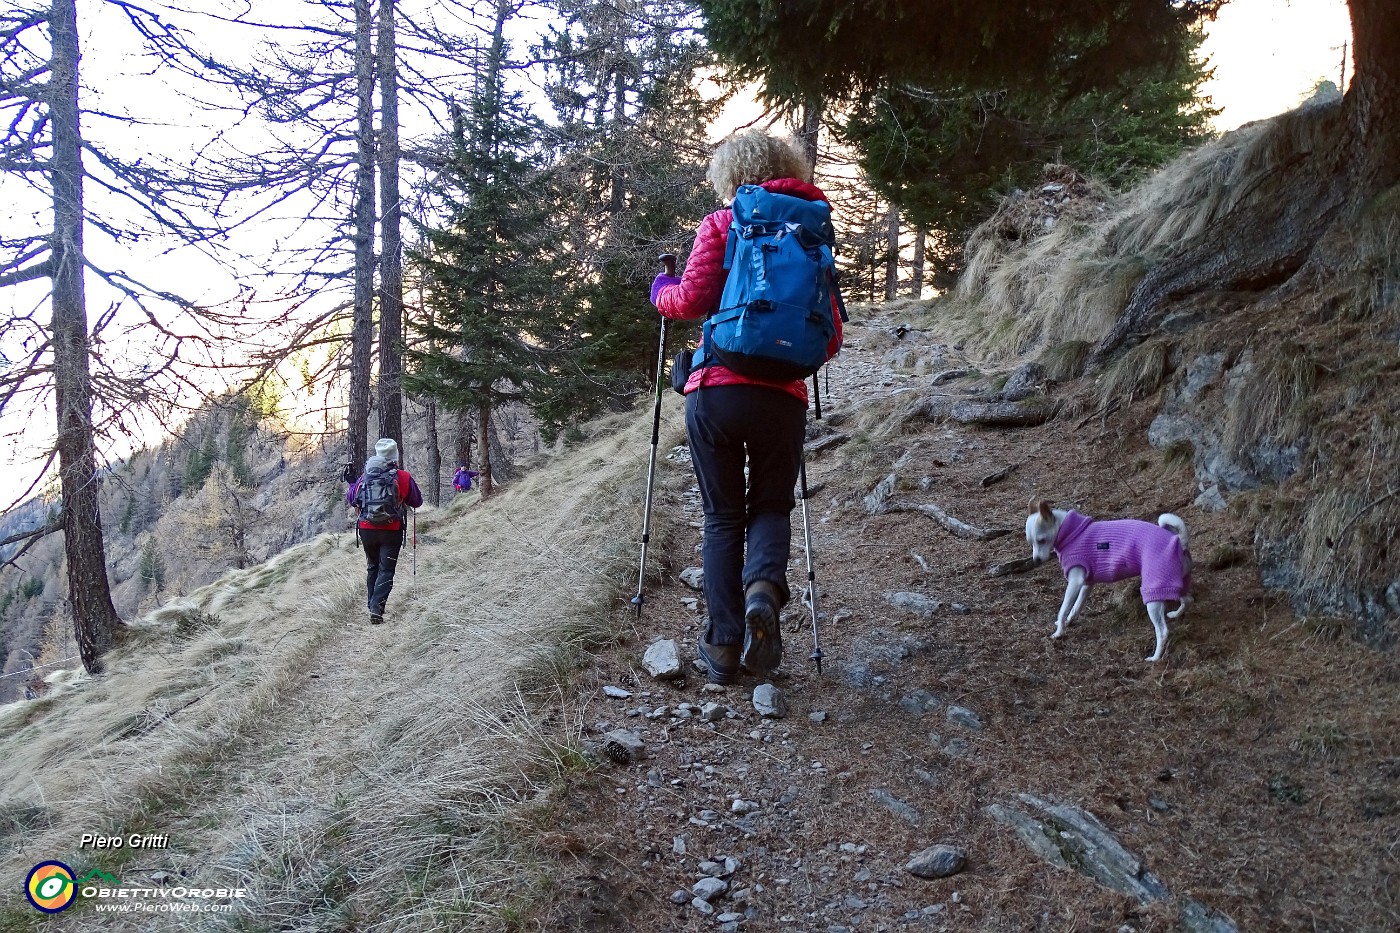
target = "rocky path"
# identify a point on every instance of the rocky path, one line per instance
(952, 767)
(880, 794)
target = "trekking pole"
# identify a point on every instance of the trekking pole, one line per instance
(816, 655)
(668, 260)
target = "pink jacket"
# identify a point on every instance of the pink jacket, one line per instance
(698, 292)
(1116, 550)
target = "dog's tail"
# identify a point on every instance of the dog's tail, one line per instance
(1176, 526)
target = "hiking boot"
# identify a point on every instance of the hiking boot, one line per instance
(376, 618)
(763, 639)
(722, 662)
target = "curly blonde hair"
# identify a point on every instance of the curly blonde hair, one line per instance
(754, 157)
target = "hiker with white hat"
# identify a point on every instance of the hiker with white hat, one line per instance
(382, 495)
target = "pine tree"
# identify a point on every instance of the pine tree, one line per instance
(490, 271)
(949, 155)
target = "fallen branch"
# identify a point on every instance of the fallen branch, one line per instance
(957, 526)
(1103, 412)
(1020, 565)
(1025, 414)
(1005, 414)
(998, 476)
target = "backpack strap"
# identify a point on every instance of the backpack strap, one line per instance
(840, 302)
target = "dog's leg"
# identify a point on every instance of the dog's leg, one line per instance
(1079, 603)
(1075, 591)
(1156, 611)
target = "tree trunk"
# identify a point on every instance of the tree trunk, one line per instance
(916, 275)
(362, 332)
(1373, 100)
(434, 455)
(892, 254)
(96, 626)
(483, 448)
(810, 130)
(1300, 233)
(391, 242)
(464, 440)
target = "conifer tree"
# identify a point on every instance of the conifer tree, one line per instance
(630, 147)
(489, 271)
(949, 154)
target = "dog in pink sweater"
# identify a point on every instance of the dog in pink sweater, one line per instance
(1093, 552)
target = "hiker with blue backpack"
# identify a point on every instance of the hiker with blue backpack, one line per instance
(761, 273)
(382, 496)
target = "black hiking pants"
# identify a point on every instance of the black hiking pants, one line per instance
(748, 522)
(382, 546)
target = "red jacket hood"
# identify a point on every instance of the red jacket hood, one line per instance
(795, 187)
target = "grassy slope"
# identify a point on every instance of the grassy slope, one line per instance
(342, 773)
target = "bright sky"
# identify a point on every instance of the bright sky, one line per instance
(1269, 54)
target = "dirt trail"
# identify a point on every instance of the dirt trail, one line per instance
(1253, 770)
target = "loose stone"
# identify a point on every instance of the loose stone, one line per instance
(938, 861)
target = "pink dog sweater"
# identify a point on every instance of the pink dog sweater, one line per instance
(1116, 550)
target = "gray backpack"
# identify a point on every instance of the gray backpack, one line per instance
(378, 497)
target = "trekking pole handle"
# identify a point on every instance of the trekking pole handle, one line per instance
(668, 260)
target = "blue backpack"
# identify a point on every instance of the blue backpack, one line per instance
(774, 319)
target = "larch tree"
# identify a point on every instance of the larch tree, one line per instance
(67, 365)
(53, 110)
(320, 84)
(390, 289)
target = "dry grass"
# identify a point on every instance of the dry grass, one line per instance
(1137, 373)
(351, 776)
(1270, 403)
(1021, 292)
(1065, 361)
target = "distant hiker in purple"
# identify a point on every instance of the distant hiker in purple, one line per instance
(1116, 550)
(462, 479)
(381, 495)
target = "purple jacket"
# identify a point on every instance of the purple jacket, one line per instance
(1116, 550)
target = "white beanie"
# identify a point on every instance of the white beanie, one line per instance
(387, 448)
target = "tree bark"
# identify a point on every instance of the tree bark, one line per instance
(1373, 100)
(916, 275)
(96, 625)
(434, 455)
(808, 135)
(362, 331)
(483, 448)
(892, 254)
(391, 242)
(464, 440)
